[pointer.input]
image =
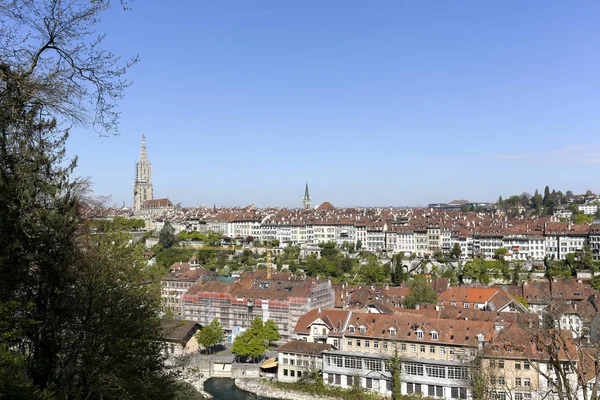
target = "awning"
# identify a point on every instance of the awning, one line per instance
(270, 363)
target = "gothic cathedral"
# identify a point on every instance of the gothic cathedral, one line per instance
(142, 186)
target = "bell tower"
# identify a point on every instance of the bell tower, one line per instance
(142, 185)
(306, 203)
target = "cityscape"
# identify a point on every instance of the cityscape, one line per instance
(337, 200)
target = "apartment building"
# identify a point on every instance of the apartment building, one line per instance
(284, 299)
(435, 353)
(297, 357)
(181, 277)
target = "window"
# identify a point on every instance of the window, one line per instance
(335, 343)
(417, 388)
(501, 364)
(330, 379)
(292, 372)
(420, 334)
(285, 361)
(435, 371)
(373, 365)
(517, 381)
(369, 383)
(410, 388)
(375, 344)
(518, 396)
(442, 350)
(451, 351)
(499, 395)
(285, 372)
(299, 374)
(457, 373)
(413, 348)
(358, 343)
(338, 379)
(492, 363)
(458, 393)
(413, 369)
(432, 349)
(351, 329)
(517, 365)
(349, 342)
(403, 347)
(385, 345)
(349, 381)
(434, 336)
(363, 330)
(527, 382)
(501, 381)
(422, 348)
(466, 305)
(392, 332)
(526, 365)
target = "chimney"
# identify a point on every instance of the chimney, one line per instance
(480, 341)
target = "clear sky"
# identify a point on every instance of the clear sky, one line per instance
(374, 103)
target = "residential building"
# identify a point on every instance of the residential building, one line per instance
(297, 358)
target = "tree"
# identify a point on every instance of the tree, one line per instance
(166, 236)
(420, 293)
(455, 252)
(251, 343)
(546, 199)
(358, 245)
(393, 365)
(77, 320)
(53, 57)
(270, 332)
(501, 252)
(210, 335)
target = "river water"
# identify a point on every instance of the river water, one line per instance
(225, 389)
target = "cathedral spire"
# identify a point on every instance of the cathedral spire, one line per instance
(143, 155)
(306, 203)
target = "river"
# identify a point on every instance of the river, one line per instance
(225, 389)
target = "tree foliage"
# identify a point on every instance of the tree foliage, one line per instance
(166, 236)
(254, 341)
(75, 319)
(210, 335)
(420, 293)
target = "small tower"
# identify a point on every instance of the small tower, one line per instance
(306, 203)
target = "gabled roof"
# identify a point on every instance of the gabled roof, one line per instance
(178, 331)
(467, 294)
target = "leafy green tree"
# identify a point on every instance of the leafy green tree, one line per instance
(166, 236)
(270, 332)
(420, 292)
(501, 252)
(358, 245)
(253, 342)
(455, 252)
(210, 335)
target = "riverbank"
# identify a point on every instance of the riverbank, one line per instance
(295, 391)
(196, 379)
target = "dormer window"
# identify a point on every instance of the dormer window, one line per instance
(392, 332)
(434, 335)
(420, 334)
(362, 330)
(351, 329)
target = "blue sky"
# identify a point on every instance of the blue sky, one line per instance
(374, 103)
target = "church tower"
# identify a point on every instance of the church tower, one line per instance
(142, 186)
(306, 203)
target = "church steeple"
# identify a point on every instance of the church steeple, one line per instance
(142, 185)
(306, 203)
(143, 155)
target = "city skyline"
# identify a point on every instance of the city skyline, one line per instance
(373, 105)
